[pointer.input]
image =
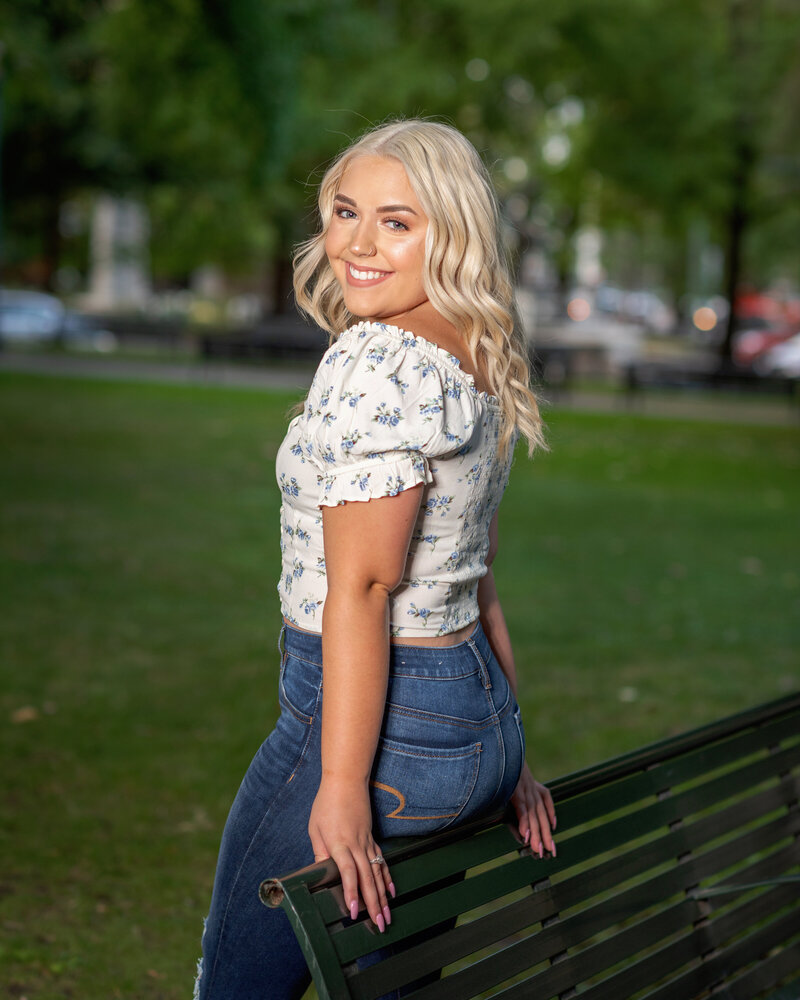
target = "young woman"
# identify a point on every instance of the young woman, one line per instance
(391, 478)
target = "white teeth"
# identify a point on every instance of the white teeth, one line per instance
(365, 275)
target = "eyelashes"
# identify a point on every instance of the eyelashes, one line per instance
(396, 225)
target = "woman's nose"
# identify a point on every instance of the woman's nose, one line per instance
(362, 244)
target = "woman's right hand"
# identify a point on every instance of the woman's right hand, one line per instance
(340, 827)
(536, 813)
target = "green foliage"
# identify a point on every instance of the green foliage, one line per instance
(218, 112)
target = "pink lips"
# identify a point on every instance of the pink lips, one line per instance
(375, 277)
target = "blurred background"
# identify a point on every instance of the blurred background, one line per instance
(159, 161)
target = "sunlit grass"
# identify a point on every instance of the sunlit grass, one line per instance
(648, 570)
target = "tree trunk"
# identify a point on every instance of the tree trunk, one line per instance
(742, 41)
(736, 225)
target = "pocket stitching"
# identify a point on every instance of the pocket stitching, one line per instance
(474, 754)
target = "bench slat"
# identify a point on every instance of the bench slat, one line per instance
(637, 975)
(720, 965)
(601, 775)
(658, 777)
(771, 969)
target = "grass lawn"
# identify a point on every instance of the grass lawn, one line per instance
(649, 570)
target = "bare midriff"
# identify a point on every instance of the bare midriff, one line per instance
(451, 639)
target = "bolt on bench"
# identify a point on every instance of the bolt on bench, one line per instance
(677, 877)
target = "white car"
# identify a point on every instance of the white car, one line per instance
(783, 359)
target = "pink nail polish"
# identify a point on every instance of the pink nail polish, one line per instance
(380, 923)
(387, 915)
(527, 838)
(555, 852)
(541, 850)
(353, 909)
(392, 890)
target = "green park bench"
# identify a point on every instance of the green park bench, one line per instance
(677, 877)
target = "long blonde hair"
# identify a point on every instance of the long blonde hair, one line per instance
(466, 274)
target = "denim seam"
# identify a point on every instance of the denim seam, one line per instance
(487, 681)
(475, 770)
(473, 751)
(302, 756)
(444, 720)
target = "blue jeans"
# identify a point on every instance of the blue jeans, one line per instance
(451, 748)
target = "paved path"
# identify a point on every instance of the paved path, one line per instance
(687, 404)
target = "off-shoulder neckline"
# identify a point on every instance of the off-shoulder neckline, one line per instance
(428, 347)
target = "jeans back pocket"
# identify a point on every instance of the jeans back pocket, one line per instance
(418, 790)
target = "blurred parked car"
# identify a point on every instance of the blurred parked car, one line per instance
(783, 359)
(750, 344)
(35, 318)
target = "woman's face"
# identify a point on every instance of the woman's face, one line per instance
(376, 240)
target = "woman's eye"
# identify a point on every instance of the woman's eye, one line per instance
(397, 225)
(345, 213)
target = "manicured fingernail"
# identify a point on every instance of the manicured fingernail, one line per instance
(541, 850)
(354, 909)
(553, 850)
(387, 915)
(392, 889)
(527, 838)
(555, 822)
(380, 923)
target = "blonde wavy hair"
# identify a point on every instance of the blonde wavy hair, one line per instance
(466, 274)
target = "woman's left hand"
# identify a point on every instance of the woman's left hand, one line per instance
(340, 827)
(536, 813)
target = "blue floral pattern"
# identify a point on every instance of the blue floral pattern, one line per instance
(388, 411)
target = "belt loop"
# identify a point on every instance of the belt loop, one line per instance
(487, 682)
(281, 643)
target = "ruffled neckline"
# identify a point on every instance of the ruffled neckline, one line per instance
(427, 347)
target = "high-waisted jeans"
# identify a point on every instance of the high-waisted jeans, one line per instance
(451, 748)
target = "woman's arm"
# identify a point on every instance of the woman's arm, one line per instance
(366, 546)
(531, 800)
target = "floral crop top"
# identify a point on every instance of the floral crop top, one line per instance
(386, 411)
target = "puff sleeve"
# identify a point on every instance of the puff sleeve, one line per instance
(383, 403)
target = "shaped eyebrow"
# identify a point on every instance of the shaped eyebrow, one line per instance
(381, 208)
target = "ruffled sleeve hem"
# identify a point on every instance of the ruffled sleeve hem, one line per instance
(369, 480)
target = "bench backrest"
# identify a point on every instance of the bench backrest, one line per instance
(678, 871)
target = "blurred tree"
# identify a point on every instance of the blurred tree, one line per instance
(650, 115)
(53, 146)
(681, 104)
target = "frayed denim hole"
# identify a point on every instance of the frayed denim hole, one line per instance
(199, 973)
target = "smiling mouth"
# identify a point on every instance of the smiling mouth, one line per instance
(365, 277)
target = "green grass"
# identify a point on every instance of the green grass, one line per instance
(648, 569)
